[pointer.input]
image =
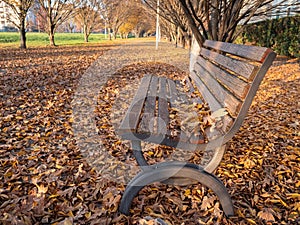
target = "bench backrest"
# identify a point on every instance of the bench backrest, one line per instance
(227, 76)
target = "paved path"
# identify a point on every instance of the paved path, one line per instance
(85, 98)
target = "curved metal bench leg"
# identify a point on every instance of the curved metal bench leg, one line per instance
(164, 171)
(212, 158)
(138, 153)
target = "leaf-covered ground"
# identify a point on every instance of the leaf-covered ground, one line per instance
(44, 179)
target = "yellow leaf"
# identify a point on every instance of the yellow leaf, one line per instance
(187, 192)
(283, 203)
(78, 196)
(58, 166)
(70, 214)
(251, 221)
(42, 189)
(240, 214)
(266, 195)
(293, 195)
(88, 215)
(249, 164)
(294, 215)
(53, 196)
(297, 206)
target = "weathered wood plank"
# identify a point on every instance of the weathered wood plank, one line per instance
(249, 52)
(193, 134)
(191, 91)
(231, 103)
(163, 108)
(234, 84)
(241, 68)
(148, 117)
(213, 103)
(173, 96)
(174, 99)
(131, 120)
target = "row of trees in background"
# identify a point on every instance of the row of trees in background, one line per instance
(222, 20)
(90, 15)
(20, 9)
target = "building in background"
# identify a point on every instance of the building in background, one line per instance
(287, 8)
(7, 18)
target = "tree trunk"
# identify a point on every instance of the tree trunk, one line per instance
(51, 39)
(86, 37)
(51, 35)
(22, 34)
(213, 23)
(86, 34)
(192, 24)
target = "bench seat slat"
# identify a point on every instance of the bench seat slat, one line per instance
(191, 90)
(249, 52)
(173, 96)
(163, 108)
(148, 119)
(131, 120)
(195, 136)
(241, 68)
(173, 100)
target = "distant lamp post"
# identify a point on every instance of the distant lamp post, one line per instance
(157, 25)
(105, 33)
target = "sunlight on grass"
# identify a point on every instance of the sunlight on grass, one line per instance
(11, 39)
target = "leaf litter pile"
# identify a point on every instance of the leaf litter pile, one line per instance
(45, 180)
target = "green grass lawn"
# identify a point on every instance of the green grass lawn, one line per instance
(11, 39)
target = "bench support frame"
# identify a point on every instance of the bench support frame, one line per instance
(177, 173)
(171, 171)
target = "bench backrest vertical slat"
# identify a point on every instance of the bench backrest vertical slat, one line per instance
(228, 75)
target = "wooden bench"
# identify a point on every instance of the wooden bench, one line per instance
(227, 76)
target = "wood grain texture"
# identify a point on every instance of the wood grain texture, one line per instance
(234, 84)
(223, 96)
(241, 68)
(249, 52)
(131, 120)
(163, 107)
(148, 119)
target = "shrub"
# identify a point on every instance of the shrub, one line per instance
(281, 34)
